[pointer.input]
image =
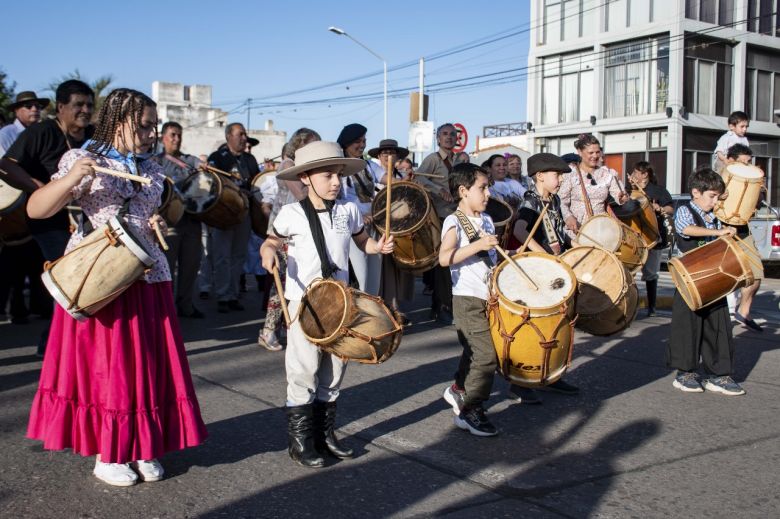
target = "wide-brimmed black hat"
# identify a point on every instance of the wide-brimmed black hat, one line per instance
(546, 162)
(26, 97)
(389, 144)
(252, 141)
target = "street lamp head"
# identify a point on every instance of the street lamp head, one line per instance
(336, 30)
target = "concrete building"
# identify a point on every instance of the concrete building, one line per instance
(204, 125)
(656, 80)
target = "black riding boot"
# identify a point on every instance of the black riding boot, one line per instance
(652, 290)
(324, 436)
(300, 436)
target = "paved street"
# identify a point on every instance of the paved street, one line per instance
(629, 446)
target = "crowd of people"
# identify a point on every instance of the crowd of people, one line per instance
(117, 384)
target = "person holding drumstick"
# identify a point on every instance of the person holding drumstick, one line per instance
(739, 153)
(643, 178)
(599, 183)
(319, 230)
(117, 385)
(704, 333)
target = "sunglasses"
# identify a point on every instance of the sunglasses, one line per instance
(32, 104)
(592, 180)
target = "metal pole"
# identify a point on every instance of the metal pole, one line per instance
(248, 112)
(385, 65)
(421, 100)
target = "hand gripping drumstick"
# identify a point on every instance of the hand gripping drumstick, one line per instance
(160, 236)
(280, 291)
(533, 230)
(122, 174)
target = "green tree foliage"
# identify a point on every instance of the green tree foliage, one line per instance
(6, 95)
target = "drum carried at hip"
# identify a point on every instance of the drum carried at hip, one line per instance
(502, 215)
(171, 203)
(639, 214)
(710, 272)
(13, 221)
(256, 214)
(533, 328)
(348, 323)
(609, 233)
(744, 183)
(214, 199)
(607, 299)
(95, 272)
(414, 225)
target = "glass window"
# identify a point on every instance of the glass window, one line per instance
(765, 16)
(763, 85)
(723, 90)
(726, 12)
(617, 15)
(708, 11)
(635, 77)
(552, 21)
(571, 20)
(567, 88)
(586, 95)
(550, 101)
(705, 86)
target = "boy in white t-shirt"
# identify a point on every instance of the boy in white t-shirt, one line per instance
(738, 127)
(319, 230)
(467, 248)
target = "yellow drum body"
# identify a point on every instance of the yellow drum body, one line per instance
(533, 329)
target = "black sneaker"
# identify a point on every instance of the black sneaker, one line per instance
(524, 395)
(223, 307)
(687, 381)
(724, 385)
(235, 305)
(476, 422)
(204, 295)
(561, 387)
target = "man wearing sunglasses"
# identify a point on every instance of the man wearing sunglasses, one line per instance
(27, 109)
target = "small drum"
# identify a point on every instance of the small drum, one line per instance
(414, 225)
(214, 200)
(502, 214)
(97, 270)
(13, 221)
(609, 233)
(533, 330)
(608, 298)
(744, 183)
(171, 203)
(257, 216)
(710, 272)
(642, 219)
(348, 323)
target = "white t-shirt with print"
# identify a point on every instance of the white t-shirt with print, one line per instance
(470, 276)
(303, 262)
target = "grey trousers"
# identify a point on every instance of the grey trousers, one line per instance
(185, 249)
(478, 361)
(229, 253)
(311, 373)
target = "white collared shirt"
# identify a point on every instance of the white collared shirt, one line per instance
(8, 135)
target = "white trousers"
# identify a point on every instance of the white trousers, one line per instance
(311, 373)
(367, 267)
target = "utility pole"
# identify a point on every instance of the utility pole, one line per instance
(248, 112)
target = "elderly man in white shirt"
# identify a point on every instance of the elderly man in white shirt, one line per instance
(27, 108)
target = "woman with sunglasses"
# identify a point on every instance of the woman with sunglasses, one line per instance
(600, 182)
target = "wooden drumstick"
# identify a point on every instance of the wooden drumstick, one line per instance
(160, 236)
(427, 175)
(389, 190)
(517, 267)
(280, 291)
(533, 230)
(122, 174)
(207, 167)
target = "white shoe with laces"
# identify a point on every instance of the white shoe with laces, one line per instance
(148, 470)
(115, 474)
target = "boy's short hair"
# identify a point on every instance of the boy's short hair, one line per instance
(464, 174)
(170, 124)
(737, 117)
(705, 179)
(646, 167)
(736, 150)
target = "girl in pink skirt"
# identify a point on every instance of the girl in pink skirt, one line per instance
(118, 384)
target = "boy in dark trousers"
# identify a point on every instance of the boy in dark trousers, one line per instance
(704, 333)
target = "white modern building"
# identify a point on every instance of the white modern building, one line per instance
(204, 125)
(655, 80)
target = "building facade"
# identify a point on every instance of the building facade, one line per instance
(656, 80)
(204, 125)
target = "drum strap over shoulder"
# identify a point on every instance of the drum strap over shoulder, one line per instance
(473, 236)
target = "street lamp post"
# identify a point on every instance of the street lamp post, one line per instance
(342, 32)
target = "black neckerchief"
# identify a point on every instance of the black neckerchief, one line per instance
(326, 265)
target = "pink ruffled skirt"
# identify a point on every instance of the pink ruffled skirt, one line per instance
(118, 384)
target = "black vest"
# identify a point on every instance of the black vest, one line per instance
(690, 243)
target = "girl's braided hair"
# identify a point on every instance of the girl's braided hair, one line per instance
(121, 104)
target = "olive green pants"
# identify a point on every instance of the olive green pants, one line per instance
(478, 360)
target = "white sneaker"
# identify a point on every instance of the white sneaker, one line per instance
(149, 471)
(116, 474)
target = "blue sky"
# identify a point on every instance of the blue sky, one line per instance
(260, 49)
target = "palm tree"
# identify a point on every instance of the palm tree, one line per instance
(99, 86)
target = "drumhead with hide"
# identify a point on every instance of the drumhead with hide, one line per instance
(9, 197)
(200, 191)
(555, 283)
(409, 207)
(744, 170)
(602, 231)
